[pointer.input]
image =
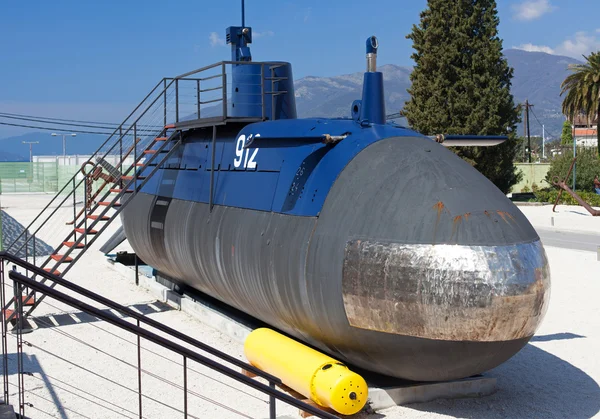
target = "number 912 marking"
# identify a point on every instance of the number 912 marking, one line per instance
(248, 159)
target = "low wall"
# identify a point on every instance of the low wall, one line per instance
(532, 173)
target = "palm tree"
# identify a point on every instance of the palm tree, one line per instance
(583, 87)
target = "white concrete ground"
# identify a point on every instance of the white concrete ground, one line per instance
(565, 218)
(555, 375)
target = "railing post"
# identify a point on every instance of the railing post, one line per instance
(4, 336)
(74, 203)
(34, 252)
(198, 90)
(139, 369)
(121, 147)
(185, 400)
(212, 168)
(85, 215)
(26, 245)
(165, 101)
(272, 410)
(135, 173)
(176, 100)
(262, 91)
(272, 93)
(224, 83)
(21, 384)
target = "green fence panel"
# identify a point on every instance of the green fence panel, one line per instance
(44, 177)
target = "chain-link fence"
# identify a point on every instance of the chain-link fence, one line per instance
(26, 177)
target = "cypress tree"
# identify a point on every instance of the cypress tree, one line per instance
(461, 83)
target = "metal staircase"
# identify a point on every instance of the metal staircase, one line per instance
(141, 144)
(95, 217)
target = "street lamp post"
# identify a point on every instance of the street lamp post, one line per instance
(31, 143)
(64, 141)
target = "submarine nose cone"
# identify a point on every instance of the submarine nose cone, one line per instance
(439, 267)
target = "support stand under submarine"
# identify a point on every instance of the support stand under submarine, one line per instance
(364, 239)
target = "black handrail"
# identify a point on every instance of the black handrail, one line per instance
(152, 337)
(131, 313)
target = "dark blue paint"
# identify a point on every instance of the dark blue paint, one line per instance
(282, 164)
(373, 104)
(287, 179)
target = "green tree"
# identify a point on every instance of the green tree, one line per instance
(566, 137)
(461, 83)
(587, 167)
(583, 90)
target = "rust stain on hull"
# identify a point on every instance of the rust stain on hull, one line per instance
(439, 207)
(505, 216)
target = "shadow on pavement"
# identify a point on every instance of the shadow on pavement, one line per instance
(534, 383)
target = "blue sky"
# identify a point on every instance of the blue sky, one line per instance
(95, 60)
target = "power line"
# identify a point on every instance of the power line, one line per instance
(55, 129)
(58, 119)
(55, 122)
(547, 130)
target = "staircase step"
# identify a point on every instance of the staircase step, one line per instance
(28, 300)
(109, 204)
(82, 231)
(131, 177)
(95, 217)
(72, 244)
(169, 126)
(9, 312)
(117, 190)
(57, 258)
(149, 151)
(55, 272)
(140, 164)
(161, 138)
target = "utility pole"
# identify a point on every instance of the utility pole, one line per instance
(31, 143)
(64, 142)
(527, 106)
(543, 142)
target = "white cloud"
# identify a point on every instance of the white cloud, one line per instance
(531, 9)
(215, 40)
(262, 34)
(535, 48)
(580, 43)
(574, 46)
(598, 30)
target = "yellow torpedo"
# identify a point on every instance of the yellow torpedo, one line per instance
(324, 380)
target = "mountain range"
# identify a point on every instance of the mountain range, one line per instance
(537, 77)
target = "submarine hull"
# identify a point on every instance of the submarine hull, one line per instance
(417, 267)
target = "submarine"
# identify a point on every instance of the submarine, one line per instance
(362, 238)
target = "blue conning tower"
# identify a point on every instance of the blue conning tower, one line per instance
(273, 98)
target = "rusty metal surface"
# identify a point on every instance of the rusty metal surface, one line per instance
(563, 187)
(446, 292)
(555, 180)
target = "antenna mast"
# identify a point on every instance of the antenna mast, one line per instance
(243, 15)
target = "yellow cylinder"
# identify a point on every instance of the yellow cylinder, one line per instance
(324, 380)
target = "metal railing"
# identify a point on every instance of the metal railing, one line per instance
(202, 99)
(143, 328)
(127, 145)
